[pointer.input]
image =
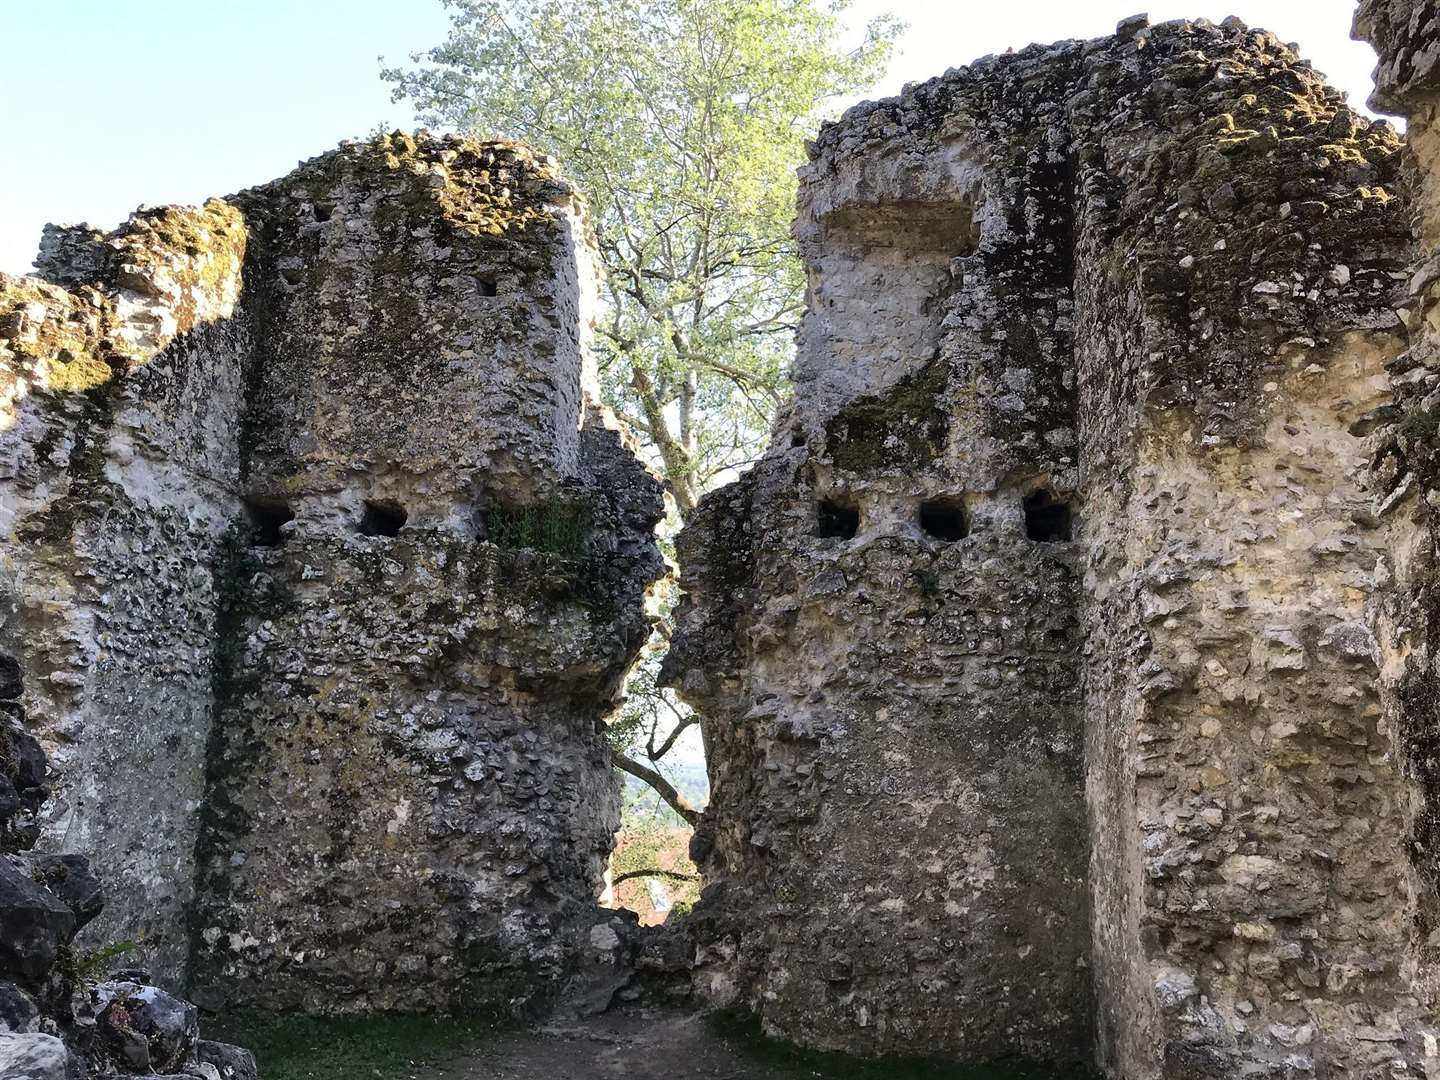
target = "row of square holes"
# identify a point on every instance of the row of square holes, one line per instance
(267, 515)
(1047, 519)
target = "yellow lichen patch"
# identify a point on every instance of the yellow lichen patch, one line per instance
(217, 229)
(75, 374)
(54, 333)
(488, 189)
(190, 256)
(1348, 153)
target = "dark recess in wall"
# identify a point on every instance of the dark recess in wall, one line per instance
(266, 517)
(382, 518)
(837, 520)
(1047, 518)
(945, 518)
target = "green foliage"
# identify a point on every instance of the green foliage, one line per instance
(1421, 426)
(384, 1047)
(642, 808)
(927, 580)
(9, 752)
(553, 528)
(84, 965)
(655, 848)
(646, 702)
(773, 1057)
(683, 121)
(650, 713)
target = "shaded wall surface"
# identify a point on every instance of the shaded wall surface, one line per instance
(1406, 36)
(1049, 658)
(324, 566)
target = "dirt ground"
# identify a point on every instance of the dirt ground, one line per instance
(640, 1044)
(618, 1044)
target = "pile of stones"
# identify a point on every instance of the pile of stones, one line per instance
(57, 1022)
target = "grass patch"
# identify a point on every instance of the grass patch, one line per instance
(554, 528)
(652, 848)
(385, 1047)
(742, 1030)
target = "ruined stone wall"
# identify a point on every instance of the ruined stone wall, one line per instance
(1406, 35)
(115, 494)
(410, 782)
(326, 566)
(913, 686)
(1083, 691)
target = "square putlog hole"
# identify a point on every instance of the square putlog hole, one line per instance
(837, 520)
(382, 518)
(1048, 519)
(945, 518)
(266, 516)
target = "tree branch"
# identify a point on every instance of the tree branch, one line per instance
(677, 461)
(663, 787)
(656, 755)
(673, 875)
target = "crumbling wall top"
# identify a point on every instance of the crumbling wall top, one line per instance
(1406, 34)
(1260, 205)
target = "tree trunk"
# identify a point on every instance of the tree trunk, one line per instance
(677, 460)
(688, 391)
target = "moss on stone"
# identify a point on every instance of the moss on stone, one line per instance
(293, 1047)
(903, 427)
(65, 343)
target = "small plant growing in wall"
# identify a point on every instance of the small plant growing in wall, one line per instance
(88, 965)
(9, 754)
(554, 528)
(927, 580)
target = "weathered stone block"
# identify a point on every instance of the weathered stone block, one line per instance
(33, 1057)
(34, 925)
(232, 1062)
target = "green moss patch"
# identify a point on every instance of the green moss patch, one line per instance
(781, 1059)
(383, 1047)
(902, 428)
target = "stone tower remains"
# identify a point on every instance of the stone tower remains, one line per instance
(1068, 664)
(324, 565)
(1052, 662)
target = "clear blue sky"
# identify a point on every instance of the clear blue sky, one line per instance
(113, 103)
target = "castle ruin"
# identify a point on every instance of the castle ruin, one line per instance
(1059, 659)
(324, 565)
(1067, 665)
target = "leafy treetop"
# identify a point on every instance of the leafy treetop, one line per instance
(684, 121)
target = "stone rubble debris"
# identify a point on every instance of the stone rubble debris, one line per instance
(56, 1021)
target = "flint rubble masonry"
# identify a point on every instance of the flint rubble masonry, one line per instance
(331, 746)
(1068, 665)
(1123, 753)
